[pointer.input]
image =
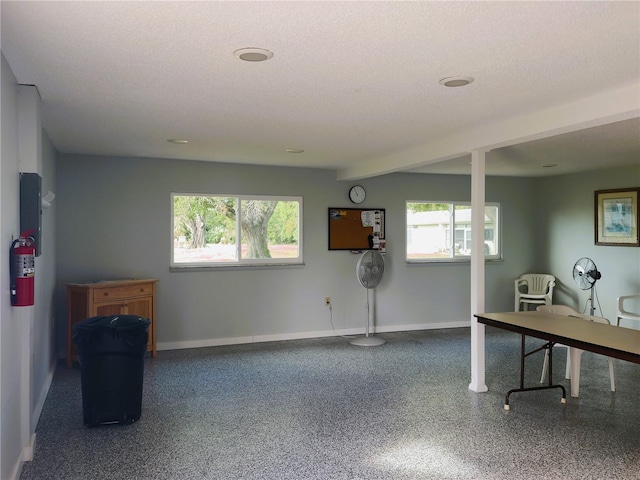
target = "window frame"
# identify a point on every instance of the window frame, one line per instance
(240, 262)
(455, 258)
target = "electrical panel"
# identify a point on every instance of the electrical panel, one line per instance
(31, 207)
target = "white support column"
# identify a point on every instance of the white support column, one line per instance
(477, 269)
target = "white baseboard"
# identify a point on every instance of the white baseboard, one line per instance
(424, 326)
(17, 470)
(37, 408)
(26, 455)
(216, 342)
(28, 451)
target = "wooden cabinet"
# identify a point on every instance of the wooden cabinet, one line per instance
(120, 297)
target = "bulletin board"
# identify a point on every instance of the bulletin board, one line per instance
(356, 229)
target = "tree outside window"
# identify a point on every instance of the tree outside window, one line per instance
(212, 230)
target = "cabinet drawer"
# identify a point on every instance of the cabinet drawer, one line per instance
(120, 292)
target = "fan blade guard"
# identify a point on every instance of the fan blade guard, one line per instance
(585, 273)
(370, 269)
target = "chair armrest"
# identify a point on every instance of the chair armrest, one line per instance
(621, 309)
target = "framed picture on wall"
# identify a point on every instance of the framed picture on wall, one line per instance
(616, 217)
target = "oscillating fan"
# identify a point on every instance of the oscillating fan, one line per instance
(369, 272)
(585, 274)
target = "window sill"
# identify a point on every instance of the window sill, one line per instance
(450, 261)
(227, 266)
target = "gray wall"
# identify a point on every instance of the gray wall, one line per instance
(23, 389)
(10, 336)
(44, 350)
(114, 222)
(566, 210)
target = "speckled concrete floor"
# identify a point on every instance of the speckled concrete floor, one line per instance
(324, 409)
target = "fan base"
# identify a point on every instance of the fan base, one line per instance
(368, 341)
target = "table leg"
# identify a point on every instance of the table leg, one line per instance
(523, 354)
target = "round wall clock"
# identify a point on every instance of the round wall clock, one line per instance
(357, 194)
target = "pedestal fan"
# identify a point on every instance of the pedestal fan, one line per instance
(369, 272)
(585, 274)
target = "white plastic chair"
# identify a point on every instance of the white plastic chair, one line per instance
(534, 289)
(557, 310)
(575, 354)
(624, 312)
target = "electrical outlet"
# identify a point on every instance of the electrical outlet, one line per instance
(327, 300)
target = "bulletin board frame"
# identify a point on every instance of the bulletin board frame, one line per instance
(347, 231)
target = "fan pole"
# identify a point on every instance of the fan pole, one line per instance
(367, 341)
(367, 316)
(592, 310)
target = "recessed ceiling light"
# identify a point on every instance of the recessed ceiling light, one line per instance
(253, 54)
(456, 81)
(178, 141)
(294, 150)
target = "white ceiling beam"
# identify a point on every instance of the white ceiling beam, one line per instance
(612, 106)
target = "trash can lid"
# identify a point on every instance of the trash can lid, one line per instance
(98, 334)
(119, 322)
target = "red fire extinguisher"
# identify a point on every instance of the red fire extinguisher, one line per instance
(22, 269)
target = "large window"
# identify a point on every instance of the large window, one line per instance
(441, 231)
(215, 230)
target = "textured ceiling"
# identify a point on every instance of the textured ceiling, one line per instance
(353, 84)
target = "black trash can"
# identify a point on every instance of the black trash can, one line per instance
(111, 352)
